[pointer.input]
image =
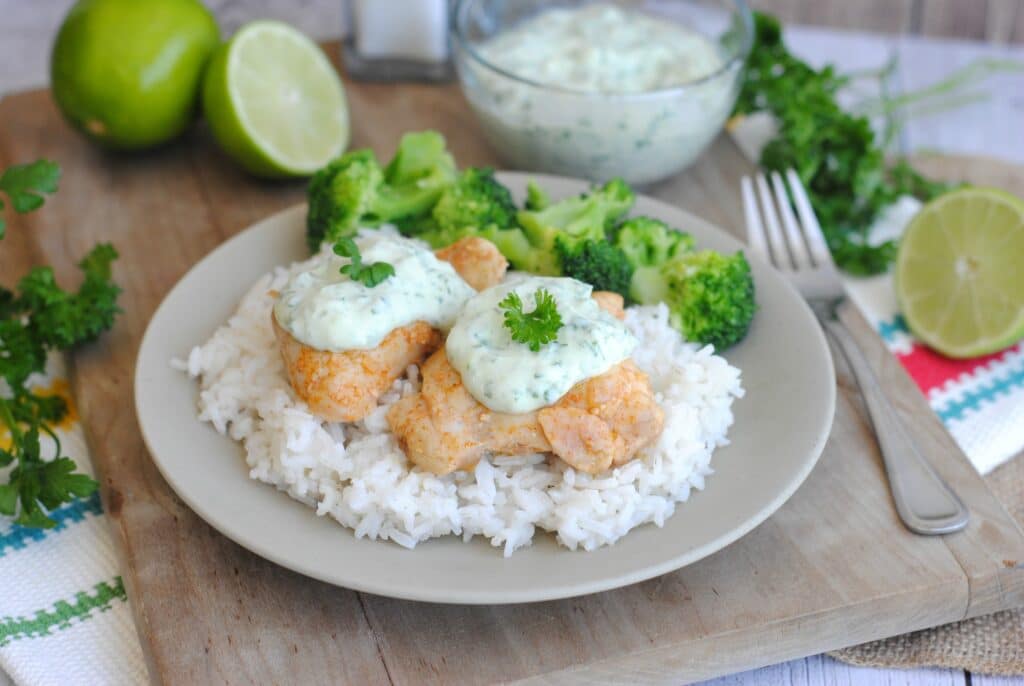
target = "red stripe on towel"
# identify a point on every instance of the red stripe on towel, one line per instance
(932, 370)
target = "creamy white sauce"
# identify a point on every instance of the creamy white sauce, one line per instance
(327, 310)
(507, 376)
(602, 48)
(630, 99)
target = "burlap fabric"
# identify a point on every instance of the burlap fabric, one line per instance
(993, 644)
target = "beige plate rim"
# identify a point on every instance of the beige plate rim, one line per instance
(774, 445)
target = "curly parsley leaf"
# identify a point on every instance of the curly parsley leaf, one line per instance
(536, 328)
(21, 354)
(37, 317)
(370, 275)
(25, 185)
(60, 319)
(8, 492)
(835, 153)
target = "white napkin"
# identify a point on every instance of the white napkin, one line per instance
(64, 616)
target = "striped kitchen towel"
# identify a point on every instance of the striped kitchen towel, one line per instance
(64, 615)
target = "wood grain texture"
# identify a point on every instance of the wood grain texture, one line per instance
(834, 567)
(883, 16)
(1004, 21)
(990, 21)
(17, 248)
(952, 18)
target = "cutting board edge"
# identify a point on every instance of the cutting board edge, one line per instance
(997, 576)
(698, 660)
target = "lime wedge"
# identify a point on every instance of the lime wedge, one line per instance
(274, 102)
(960, 272)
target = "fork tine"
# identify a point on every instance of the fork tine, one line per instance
(771, 220)
(755, 229)
(795, 240)
(812, 229)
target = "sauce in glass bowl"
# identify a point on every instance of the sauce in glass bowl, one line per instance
(597, 90)
(603, 48)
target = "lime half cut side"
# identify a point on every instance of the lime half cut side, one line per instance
(960, 272)
(274, 102)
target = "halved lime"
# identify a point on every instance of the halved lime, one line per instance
(960, 272)
(274, 102)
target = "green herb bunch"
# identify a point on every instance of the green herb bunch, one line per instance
(835, 153)
(37, 317)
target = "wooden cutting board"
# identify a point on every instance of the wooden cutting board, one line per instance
(833, 568)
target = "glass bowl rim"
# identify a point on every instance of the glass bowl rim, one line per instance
(738, 57)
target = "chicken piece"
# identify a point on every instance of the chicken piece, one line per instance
(477, 260)
(601, 422)
(610, 302)
(345, 386)
(437, 428)
(585, 440)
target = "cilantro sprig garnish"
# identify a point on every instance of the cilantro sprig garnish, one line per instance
(25, 185)
(370, 275)
(536, 328)
(37, 317)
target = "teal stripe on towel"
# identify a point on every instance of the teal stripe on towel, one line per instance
(19, 537)
(986, 392)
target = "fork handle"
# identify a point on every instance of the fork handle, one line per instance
(925, 503)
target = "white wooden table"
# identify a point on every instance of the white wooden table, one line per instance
(993, 126)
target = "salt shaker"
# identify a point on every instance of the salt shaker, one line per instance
(397, 40)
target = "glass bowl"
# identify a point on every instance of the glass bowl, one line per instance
(642, 137)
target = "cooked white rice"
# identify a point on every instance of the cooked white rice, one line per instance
(357, 474)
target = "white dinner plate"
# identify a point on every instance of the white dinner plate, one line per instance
(781, 426)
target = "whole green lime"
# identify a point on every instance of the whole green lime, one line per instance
(128, 72)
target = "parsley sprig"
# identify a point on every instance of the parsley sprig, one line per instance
(536, 328)
(835, 153)
(25, 185)
(370, 275)
(38, 316)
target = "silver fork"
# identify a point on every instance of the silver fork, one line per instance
(925, 503)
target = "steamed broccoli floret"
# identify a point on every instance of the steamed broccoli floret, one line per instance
(513, 244)
(417, 175)
(475, 204)
(647, 286)
(536, 197)
(710, 297)
(598, 263)
(341, 195)
(649, 243)
(572, 221)
(354, 191)
(519, 249)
